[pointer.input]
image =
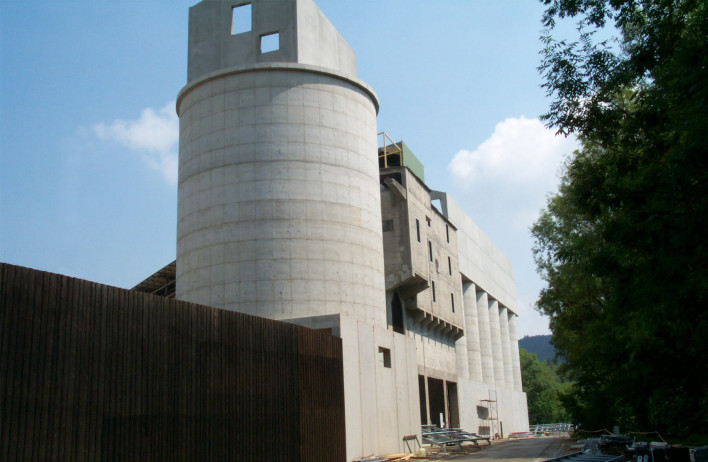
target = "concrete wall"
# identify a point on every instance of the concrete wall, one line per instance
(381, 403)
(319, 43)
(436, 233)
(397, 239)
(305, 36)
(480, 260)
(511, 408)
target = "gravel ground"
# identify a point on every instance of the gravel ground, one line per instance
(536, 449)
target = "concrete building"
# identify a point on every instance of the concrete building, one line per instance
(451, 289)
(284, 213)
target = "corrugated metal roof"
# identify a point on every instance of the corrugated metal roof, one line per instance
(162, 282)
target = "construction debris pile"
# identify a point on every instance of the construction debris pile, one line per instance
(626, 448)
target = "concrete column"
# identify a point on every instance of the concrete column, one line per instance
(474, 353)
(495, 332)
(461, 361)
(427, 400)
(506, 346)
(446, 404)
(485, 339)
(515, 362)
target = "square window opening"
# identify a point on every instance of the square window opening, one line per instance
(241, 19)
(385, 355)
(270, 42)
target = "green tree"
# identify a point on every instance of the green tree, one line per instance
(623, 246)
(544, 390)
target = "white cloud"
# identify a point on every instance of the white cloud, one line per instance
(514, 168)
(531, 322)
(154, 135)
(503, 184)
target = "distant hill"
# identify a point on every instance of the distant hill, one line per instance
(540, 345)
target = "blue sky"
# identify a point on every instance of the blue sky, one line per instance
(88, 129)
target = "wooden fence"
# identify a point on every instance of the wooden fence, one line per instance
(91, 372)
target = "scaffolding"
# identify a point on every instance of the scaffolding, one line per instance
(488, 415)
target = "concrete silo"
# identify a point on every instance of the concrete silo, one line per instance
(278, 210)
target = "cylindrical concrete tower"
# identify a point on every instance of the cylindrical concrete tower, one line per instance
(279, 210)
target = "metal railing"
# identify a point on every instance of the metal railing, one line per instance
(545, 429)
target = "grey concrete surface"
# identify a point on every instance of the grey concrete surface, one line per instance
(521, 450)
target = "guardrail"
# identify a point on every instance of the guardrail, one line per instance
(544, 429)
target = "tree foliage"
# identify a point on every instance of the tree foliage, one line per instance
(544, 390)
(623, 245)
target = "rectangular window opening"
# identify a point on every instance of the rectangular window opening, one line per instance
(429, 221)
(241, 19)
(433, 287)
(452, 301)
(385, 355)
(447, 232)
(449, 265)
(270, 42)
(388, 225)
(417, 229)
(430, 250)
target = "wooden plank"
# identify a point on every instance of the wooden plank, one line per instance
(15, 358)
(5, 328)
(24, 426)
(36, 352)
(46, 365)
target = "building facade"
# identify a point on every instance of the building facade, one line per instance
(285, 213)
(452, 291)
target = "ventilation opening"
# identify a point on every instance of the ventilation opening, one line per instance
(270, 42)
(385, 355)
(397, 314)
(241, 19)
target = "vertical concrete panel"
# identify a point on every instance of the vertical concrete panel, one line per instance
(414, 395)
(367, 379)
(472, 332)
(403, 387)
(352, 387)
(387, 404)
(485, 338)
(506, 346)
(514, 343)
(495, 332)
(513, 412)
(471, 392)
